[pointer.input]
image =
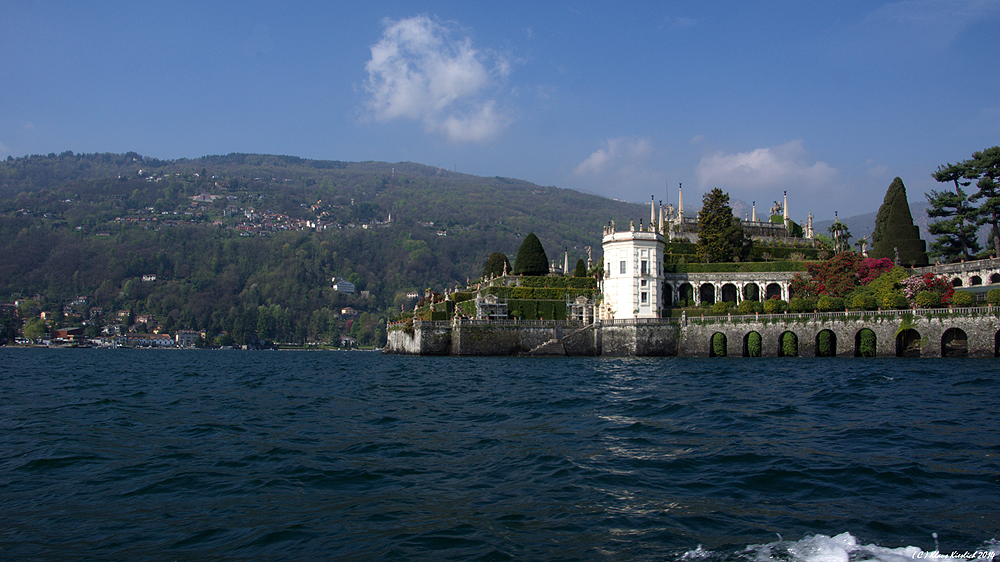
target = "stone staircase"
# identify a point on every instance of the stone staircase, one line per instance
(556, 346)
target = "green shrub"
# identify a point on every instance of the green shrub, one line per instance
(719, 344)
(799, 304)
(895, 300)
(928, 299)
(824, 344)
(463, 296)
(754, 347)
(748, 307)
(864, 302)
(993, 296)
(774, 306)
(866, 343)
(720, 307)
(789, 344)
(830, 304)
(963, 298)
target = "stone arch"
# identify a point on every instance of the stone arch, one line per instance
(772, 290)
(667, 295)
(954, 343)
(865, 343)
(956, 282)
(975, 280)
(706, 293)
(729, 292)
(685, 293)
(788, 344)
(908, 343)
(751, 292)
(753, 345)
(826, 343)
(994, 278)
(717, 345)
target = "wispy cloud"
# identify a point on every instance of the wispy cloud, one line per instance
(914, 27)
(764, 171)
(623, 168)
(428, 71)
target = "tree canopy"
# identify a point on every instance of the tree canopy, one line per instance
(720, 235)
(894, 229)
(531, 258)
(496, 265)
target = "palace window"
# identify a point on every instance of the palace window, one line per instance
(644, 297)
(623, 267)
(644, 267)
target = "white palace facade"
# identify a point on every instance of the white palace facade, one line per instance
(635, 285)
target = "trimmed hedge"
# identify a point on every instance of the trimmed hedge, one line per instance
(534, 309)
(993, 296)
(775, 306)
(963, 298)
(742, 267)
(559, 282)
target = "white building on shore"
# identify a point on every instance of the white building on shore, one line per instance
(633, 271)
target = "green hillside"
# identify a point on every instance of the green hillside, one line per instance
(250, 243)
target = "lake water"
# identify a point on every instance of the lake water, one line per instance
(231, 455)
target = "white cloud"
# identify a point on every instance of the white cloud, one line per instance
(424, 70)
(618, 156)
(623, 168)
(764, 171)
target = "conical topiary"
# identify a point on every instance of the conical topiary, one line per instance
(496, 265)
(895, 231)
(531, 258)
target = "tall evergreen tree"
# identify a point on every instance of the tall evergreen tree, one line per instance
(894, 229)
(956, 232)
(496, 265)
(720, 235)
(985, 166)
(581, 269)
(531, 258)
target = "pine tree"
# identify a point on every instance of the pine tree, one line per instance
(986, 167)
(496, 265)
(894, 229)
(720, 235)
(956, 233)
(531, 258)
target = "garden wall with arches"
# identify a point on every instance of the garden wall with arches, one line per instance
(929, 333)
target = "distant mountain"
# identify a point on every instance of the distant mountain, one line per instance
(250, 244)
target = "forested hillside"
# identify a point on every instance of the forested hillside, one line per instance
(250, 244)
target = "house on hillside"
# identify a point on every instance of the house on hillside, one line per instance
(343, 286)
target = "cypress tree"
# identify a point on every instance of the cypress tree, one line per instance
(894, 229)
(581, 269)
(531, 258)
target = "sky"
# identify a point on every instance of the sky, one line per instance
(828, 101)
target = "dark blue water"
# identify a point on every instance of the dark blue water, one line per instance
(228, 455)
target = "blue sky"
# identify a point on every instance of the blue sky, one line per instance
(829, 101)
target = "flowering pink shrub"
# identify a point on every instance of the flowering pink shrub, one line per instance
(939, 284)
(870, 268)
